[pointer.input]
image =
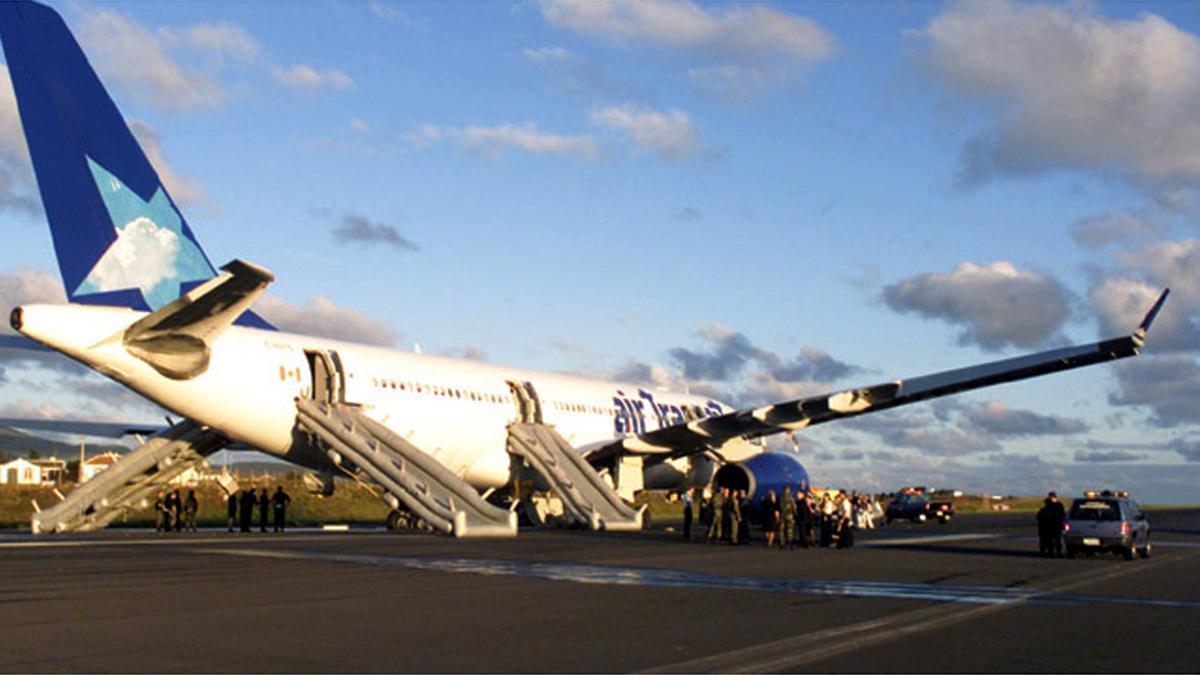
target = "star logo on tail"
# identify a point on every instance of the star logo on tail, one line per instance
(151, 252)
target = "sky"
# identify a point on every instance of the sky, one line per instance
(760, 201)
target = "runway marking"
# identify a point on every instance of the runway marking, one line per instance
(796, 652)
(612, 575)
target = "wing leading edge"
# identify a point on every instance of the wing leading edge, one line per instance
(699, 435)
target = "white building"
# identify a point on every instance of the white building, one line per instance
(95, 464)
(20, 472)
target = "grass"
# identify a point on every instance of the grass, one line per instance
(349, 503)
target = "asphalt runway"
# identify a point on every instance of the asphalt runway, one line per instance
(970, 596)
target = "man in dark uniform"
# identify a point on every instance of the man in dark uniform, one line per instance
(1060, 518)
(804, 516)
(231, 508)
(687, 513)
(734, 507)
(247, 504)
(264, 505)
(279, 505)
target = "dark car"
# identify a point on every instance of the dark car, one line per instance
(918, 508)
(1107, 522)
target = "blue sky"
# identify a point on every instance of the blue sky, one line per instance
(759, 200)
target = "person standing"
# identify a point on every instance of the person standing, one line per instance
(805, 519)
(279, 505)
(733, 506)
(264, 505)
(190, 506)
(687, 513)
(247, 508)
(770, 518)
(160, 513)
(743, 518)
(716, 529)
(231, 509)
(1059, 519)
(787, 519)
(174, 508)
(846, 522)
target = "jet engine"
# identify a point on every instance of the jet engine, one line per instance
(761, 474)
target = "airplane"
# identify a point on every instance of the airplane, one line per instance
(458, 444)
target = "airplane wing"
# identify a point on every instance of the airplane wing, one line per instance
(82, 427)
(711, 432)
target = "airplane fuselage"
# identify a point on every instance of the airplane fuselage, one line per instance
(456, 410)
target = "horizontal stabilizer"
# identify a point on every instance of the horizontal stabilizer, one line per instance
(176, 340)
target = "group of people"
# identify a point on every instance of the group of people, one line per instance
(175, 514)
(786, 520)
(241, 509)
(172, 514)
(1050, 520)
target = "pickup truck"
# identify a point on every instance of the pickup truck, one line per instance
(918, 508)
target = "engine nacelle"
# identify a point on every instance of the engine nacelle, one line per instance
(762, 474)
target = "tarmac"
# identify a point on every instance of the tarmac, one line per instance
(970, 596)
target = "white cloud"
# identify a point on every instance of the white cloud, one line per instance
(324, 318)
(220, 41)
(1122, 300)
(26, 286)
(996, 305)
(388, 12)
(1096, 232)
(133, 58)
(547, 54)
(742, 50)
(670, 135)
(1068, 89)
(743, 32)
(495, 142)
(306, 78)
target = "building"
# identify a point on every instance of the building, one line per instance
(95, 464)
(53, 470)
(20, 472)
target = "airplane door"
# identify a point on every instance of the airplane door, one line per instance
(529, 406)
(328, 376)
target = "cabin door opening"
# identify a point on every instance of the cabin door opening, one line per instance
(525, 397)
(328, 376)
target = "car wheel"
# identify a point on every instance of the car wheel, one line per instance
(1145, 552)
(1127, 552)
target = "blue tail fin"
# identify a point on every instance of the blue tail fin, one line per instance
(119, 238)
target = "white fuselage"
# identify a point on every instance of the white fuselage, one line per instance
(456, 410)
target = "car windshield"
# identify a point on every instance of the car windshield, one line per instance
(1095, 509)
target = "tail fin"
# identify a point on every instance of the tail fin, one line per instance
(119, 238)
